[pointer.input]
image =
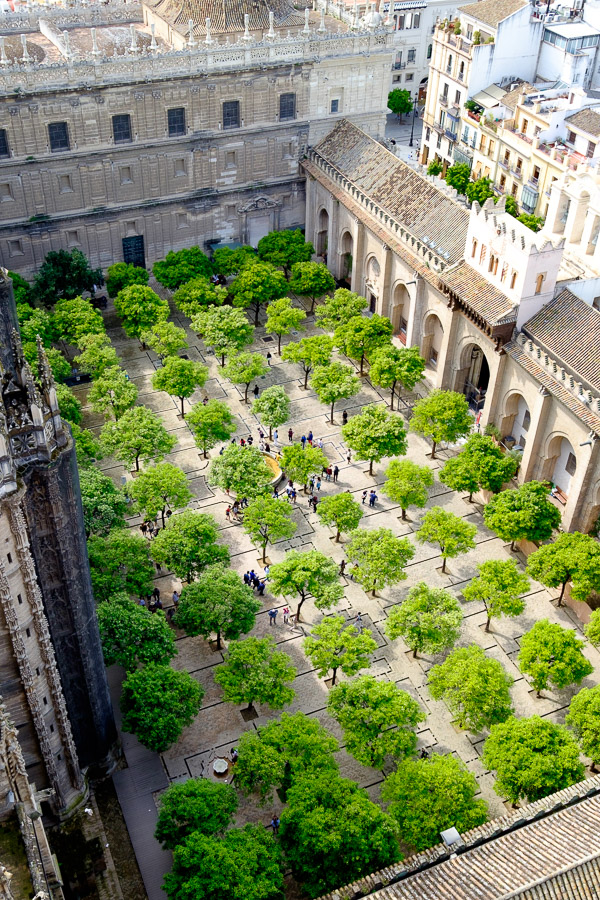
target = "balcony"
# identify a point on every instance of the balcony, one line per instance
(451, 135)
(519, 134)
(399, 65)
(473, 115)
(517, 173)
(443, 99)
(533, 182)
(503, 164)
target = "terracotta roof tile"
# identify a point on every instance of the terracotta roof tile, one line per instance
(492, 12)
(226, 16)
(485, 299)
(587, 120)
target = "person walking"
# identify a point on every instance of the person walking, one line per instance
(256, 391)
(343, 567)
(358, 622)
(349, 457)
(290, 435)
(276, 436)
(364, 496)
(372, 498)
(275, 824)
(344, 418)
(303, 441)
(310, 437)
(318, 484)
(336, 472)
(273, 616)
(269, 358)
(228, 514)
(175, 599)
(286, 615)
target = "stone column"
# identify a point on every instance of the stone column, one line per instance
(447, 367)
(535, 435)
(575, 220)
(587, 467)
(359, 257)
(386, 270)
(311, 202)
(492, 396)
(415, 293)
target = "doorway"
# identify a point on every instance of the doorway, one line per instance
(258, 227)
(133, 250)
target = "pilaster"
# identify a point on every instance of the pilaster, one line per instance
(535, 435)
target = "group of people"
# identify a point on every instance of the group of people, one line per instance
(257, 584)
(372, 495)
(150, 527)
(287, 618)
(234, 512)
(151, 601)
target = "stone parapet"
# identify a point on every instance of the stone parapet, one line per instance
(26, 19)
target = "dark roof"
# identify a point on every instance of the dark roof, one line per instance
(569, 330)
(422, 208)
(483, 298)
(491, 12)
(225, 15)
(587, 120)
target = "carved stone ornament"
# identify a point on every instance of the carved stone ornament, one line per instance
(157, 94)
(74, 101)
(33, 108)
(138, 95)
(194, 89)
(211, 87)
(99, 99)
(14, 110)
(259, 203)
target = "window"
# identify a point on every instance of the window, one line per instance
(287, 151)
(457, 98)
(121, 128)
(503, 183)
(571, 464)
(176, 121)
(4, 151)
(335, 106)
(231, 114)
(58, 135)
(182, 220)
(482, 255)
(73, 238)
(429, 51)
(412, 55)
(506, 157)
(230, 159)
(513, 191)
(491, 150)
(433, 357)
(427, 133)
(524, 126)
(416, 20)
(591, 149)
(449, 64)
(474, 249)
(287, 106)
(179, 167)
(410, 77)
(526, 420)
(125, 175)
(482, 144)
(513, 279)
(461, 72)
(438, 143)
(504, 272)
(6, 192)
(397, 79)
(571, 137)
(65, 185)
(15, 248)
(519, 165)
(539, 281)
(536, 173)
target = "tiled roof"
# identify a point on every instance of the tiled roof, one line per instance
(427, 212)
(569, 330)
(491, 12)
(226, 16)
(485, 299)
(587, 120)
(548, 850)
(511, 98)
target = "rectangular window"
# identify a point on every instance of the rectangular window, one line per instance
(6, 192)
(230, 159)
(179, 167)
(65, 185)
(412, 55)
(416, 20)
(571, 137)
(182, 220)
(591, 149)
(121, 125)
(457, 98)
(526, 420)
(3, 143)
(125, 174)
(571, 464)
(58, 135)
(15, 248)
(231, 114)
(410, 77)
(287, 106)
(176, 121)
(73, 239)
(335, 106)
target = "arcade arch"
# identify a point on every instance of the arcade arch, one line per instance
(559, 463)
(346, 258)
(473, 376)
(399, 311)
(432, 340)
(516, 420)
(322, 234)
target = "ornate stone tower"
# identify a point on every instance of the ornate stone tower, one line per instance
(52, 673)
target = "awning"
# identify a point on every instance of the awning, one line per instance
(401, 5)
(489, 97)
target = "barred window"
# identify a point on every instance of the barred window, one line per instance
(58, 135)
(122, 128)
(231, 114)
(287, 106)
(176, 121)
(3, 143)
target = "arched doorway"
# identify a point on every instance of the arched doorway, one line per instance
(346, 259)
(431, 344)
(372, 282)
(515, 421)
(399, 311)
(473, 377)
(323, 235)
(423, 89)
(560, 463)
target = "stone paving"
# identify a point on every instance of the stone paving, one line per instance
(219, 725)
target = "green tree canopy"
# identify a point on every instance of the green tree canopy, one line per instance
(333, 834)
(121, 275)
(218, 602)
(534, 222)
(244, 864)
(532, 758)
(244, 368)
(427, 796)
(97, 354)
(180, 378)
(68, 404)
(285, 248)
(59, 366)
(267, 520)
(338, 309)
(571, 557)
(131, 635)
(441, 416)
(140, 308)
(480, 190)
(138, 434)
(475, 688)
(379, 556)
(104, 504)
(407, 484)
(87, 448)
(451, 533)
(299, 464)
(254, 671)
(283, 318)
(196, 805)
(551, 656)
(374, 433)
(21, 288)
(309, 352)
(524, 513)
(241, 470)
(165, 338)
(334, 382)
(592, 629)
(159, 488)
(112, 392)
(428, 620)
(188, 544)
(499, 587)
(272, 407)
(391, 366)
(181, 266)
(312, 280)
(303, 574)
(223, 329)
(340, 510)
(120, 562)
(230, 261)
(258, 284)
(400, 102)
(210, 423)
(34, 322)
(481, 464)
(64, 273)
(361, 336)
(583, 719)
(458, 176)
(75, 317)
(377, 718)
(157, 703)
(197, 296)
(336, 644)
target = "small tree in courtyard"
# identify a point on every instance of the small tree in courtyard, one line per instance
(307, 574)
(244, 368)
(475, 688)
(458, 177)
(196, 805)
(374, 434)
(551, 655)
(157, 703)
(241, 470)
(197, 296)
(254, 671)
(499, 587)
(97, 355)
(283, 318)
(140, 308)
(231, 260)
(64, 273)
(592, 629)
(160, 488)
(377, 718)
(340, 510)
(583, 719)
(400, 102)
(180, 266)
(120, 562)
(68, 404)
(336, 644)
(441, 416)
(224, 329)
(451, 533)
(104, 504)
(309, 352)
(131, 634)
(391, 366)
(362, 336)
(272, 407)
(481, 464)
(312, 280)
(428, 620)
(338, 309)
(218, 602)
(180, 378)
(258, 284)
(112, 392)
(75, 317)
(267, 520)
(524, 513)
(285, 248)
(188, 544)
(138, 434)
(165, 338)
(121, 275)
(210, 423)
(407, 484)
(334, 382)
(379, 556)
(299, 464)
(571, 557)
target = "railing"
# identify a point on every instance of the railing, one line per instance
(534, 182)
(444, 99)
(473, 115)
(519, 134)
(517, 173)
(451, 135)
(503, 165)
